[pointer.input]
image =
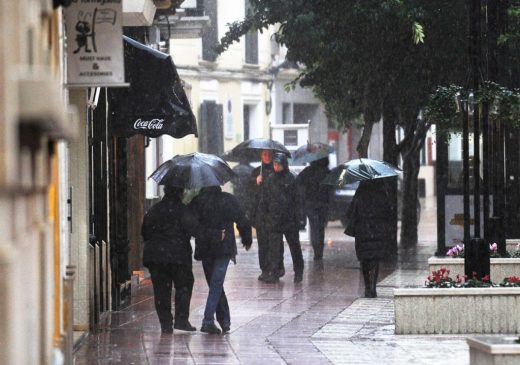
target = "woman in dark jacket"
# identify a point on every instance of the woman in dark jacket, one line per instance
(283, 216)
(217, 210)
(315, 198)
(370, 223)
(167, 229)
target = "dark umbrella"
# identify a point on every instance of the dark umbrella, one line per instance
(155, 103)
(195, 170)
(311, 152)
(358, 170)
(250, 150)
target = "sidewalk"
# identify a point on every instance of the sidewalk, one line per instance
(320, 321)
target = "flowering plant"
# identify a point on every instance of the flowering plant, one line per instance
(441, 279)
(458, 251)
(511, 281)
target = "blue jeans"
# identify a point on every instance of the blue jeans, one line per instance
(215, 271)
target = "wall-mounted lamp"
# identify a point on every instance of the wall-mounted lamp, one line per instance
(458, 102)
(471, 103)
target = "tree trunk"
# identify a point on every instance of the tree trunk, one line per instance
(409, 222)
(390, 151)
(362, 147)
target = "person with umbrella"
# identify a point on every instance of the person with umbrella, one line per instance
(283, 217)
(315, 196)
(259, 149)
(258, 211)
(369, 215)
(218, 210)
(166, 230)
(242, 185)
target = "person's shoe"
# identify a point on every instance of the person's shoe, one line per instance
(271, 279)
(184, 326)
(225, 329)
(167, 331)
(210, 328)
(298, 277)
(281, 272)
(262, 276)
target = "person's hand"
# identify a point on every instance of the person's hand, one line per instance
(222, 234)
(259, 180)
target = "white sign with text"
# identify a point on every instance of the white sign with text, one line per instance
(94, 43)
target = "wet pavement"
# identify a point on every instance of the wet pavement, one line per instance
(323, 320)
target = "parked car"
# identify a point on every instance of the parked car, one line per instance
(342, 197)
(339, 202)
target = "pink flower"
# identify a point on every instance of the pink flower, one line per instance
(493, 247)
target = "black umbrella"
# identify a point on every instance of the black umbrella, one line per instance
(155, 103)
(195, 170)
(311, 152)
(358, 170)
(250, 150)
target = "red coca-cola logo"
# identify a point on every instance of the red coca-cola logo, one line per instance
(149, 124)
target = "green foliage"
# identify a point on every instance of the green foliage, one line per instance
(418, 33)
(504, 106)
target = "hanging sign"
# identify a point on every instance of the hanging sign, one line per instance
(94, 43)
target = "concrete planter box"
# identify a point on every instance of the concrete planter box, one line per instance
(484, 350)
(457, 310)
(500, 268)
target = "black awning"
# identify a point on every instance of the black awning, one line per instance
(155, 103)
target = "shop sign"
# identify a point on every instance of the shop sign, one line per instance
(94, 43)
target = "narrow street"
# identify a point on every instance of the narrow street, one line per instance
(323, 320)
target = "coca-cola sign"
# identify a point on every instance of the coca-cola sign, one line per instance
(148, 124)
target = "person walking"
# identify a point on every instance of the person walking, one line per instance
(242, 185)
(167, 228)
(315, 198)
(284, 217)
(369, 221)
(258, 206)
(218, 210)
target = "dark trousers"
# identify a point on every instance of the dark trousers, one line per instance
(215, 272)
(370, 269)
(162, 277)
(262, 237)
(317, 222)
(293, 240)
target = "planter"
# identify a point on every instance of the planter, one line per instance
(500, 268)
(485, 350)
(457, 310)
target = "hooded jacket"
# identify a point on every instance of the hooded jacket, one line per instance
(282, 208)
(217, 210)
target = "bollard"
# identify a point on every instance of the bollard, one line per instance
(476, 258)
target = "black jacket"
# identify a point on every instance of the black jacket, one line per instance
(314, 194)
(282, 208)
(218, 210)
(370, 214)
(167, 229)
(258, 196)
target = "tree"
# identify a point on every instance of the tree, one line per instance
(370, 58)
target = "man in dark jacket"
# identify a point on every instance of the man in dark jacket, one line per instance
(370, 222)
(258, 206)
(283, 216)
(315, 198)
(243, 186)
(217, 210)
(167, 228)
